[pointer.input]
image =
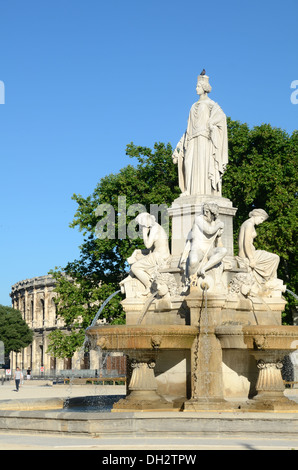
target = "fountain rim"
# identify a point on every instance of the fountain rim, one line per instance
(247, 330)
(144, 329)
(147, 337)
(259, 337)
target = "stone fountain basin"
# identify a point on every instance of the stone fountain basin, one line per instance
(148, 337)
(258, 337)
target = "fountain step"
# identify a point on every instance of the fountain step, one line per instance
(213, 423)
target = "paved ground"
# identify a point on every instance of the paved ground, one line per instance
(38, 389)
(42, 389)
(137, 444)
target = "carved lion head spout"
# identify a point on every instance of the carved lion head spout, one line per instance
(260, 342)
(156, 341)
(102, 342)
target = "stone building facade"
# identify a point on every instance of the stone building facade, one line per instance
(34, 298)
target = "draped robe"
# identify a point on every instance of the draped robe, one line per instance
(203, 150)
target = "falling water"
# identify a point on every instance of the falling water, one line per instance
(146, 307)
(204, 327)
(102, 307)
(86, 340)
(202, 353)
(288, 371)
(292, 293)
(93, 323)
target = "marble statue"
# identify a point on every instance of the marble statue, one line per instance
(204, 250)
(145, 265)
(262, 264)
(165, 287)
(202, 152)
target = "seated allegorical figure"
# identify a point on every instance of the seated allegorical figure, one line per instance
(204, 249)
(260, 263)
(146, 263)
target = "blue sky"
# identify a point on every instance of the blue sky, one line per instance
(85, 78)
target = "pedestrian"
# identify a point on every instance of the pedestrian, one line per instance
(18, 376)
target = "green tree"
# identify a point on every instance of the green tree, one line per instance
(261, 173)
(14, 331)
(84, 284)
(63, 345)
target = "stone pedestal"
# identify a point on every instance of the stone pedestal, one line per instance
(207, 386)
(270, 385)
(142, 388)
(207, 380)
(205, 309)
(183, 212)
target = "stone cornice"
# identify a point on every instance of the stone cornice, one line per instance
(35, 282)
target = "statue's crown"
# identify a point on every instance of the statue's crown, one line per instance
(203, 78)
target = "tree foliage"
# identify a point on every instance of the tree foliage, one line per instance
(261, 173)
(14, 331)
(102, 264)
(64, 345)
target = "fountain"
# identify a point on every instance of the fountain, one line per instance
(203, 328)
(198, 314)
(143, 345)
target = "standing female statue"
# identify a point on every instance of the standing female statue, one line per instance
(202, 152)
